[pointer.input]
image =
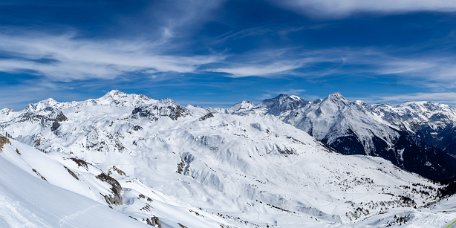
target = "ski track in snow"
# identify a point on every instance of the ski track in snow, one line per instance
(12, 214)
(68, 218)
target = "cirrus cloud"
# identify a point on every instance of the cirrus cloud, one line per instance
(66, 58)
(274, 69)
(342, 8)
(445, 97)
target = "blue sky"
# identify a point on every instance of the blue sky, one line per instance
(218, 52)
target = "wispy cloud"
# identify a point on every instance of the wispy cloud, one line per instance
(270, 62)
(271, 69)
(292, 91)
(445, 97)
(70, 58)
(437, 69)
(342, 8)
(156, 45)
(173, 20)
(431, 67)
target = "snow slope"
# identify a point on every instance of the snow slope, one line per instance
(40, 191)
(208, 167)
(441, 214)
(27, 201)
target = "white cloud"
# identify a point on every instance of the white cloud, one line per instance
(430, 71)
(270, 62)
(263, 70)
(174, 19)
(341, 8)
(75, 59)
(67, 58)
(296, 92)
(444, 97)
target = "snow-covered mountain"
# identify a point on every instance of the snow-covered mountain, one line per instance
(417, 136)
(163, 164)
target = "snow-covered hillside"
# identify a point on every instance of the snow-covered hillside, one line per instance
(156, 161)
(26, 200)
(40, 191)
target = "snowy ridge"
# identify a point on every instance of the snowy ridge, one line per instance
(412, 114)
(333, 117)
(157, 161)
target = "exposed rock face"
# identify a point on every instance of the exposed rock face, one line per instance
(153, 221)
(156, 111)
(207, 116)
(137, 128)
(283, 102)
(46, 114)
(3, 140)
(55, 126)
(72, 173)
(116, 189)
(184, 166)
(116, 170)
(80, 163)
(61, 117)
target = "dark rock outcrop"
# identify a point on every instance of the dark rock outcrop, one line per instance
(3, 140)
(116, 189)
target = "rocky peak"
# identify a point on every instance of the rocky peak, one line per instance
(283, 98)
(334, 103)
(242, 106)
(118, 98)
(336, 97)
(42, 105)
(163, 108)
(296, 98)
(283, 103)
(6, 111)
(114, 95)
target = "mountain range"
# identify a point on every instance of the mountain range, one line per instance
(417, 136)
(284, 162)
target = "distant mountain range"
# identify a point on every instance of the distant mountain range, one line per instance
(417, 136)
(284, 162)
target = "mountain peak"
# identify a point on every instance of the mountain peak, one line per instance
(296, 98)
(242, 106)
(49, 101)
(117, 97)
(283, 102)
(336, 95)
(42, 104)
(115, 93)
(282, 95)
(336, 98)
(282, 98)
